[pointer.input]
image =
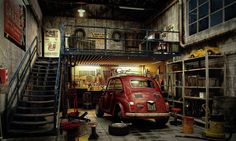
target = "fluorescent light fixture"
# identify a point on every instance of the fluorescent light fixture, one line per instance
(130, 8)
(81, 12)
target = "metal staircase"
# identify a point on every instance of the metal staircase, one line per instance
(36, 110)
(33, 97)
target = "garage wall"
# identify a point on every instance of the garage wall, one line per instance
(228, 46)
(56, 22)
(167, 21)
(10, 54)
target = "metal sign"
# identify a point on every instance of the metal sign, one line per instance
(52, 43)
(14, 22)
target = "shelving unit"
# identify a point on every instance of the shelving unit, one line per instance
(192, 83)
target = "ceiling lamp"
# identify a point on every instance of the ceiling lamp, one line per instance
(131, 8)
(81, 12)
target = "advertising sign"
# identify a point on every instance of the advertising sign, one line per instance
(14, 22)
(52, 43)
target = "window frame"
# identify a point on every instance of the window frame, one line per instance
(209, 15)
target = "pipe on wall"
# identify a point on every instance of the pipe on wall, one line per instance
(181, 24)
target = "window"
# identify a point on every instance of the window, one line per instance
(203, 14)
(142, 84)
(111, 85)
(118, 84)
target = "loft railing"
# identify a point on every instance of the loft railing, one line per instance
(58, 86)
(82, 39)
(18, 82)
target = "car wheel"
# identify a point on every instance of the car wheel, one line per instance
(118, 129)
(210, 52)
(162, 122)
(99, 112)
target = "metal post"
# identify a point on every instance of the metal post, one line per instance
(105, 42)
(1, 135)
(183, 87)
(207, 89)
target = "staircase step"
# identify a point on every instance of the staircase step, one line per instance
(35, 108)
(40, 91)
(38, 96)
(50, 68)
(43, 73)
(32, 122)
(43, 77)
(34, 115)
(38, 101)
(39, 86)
(43, 69)
(46, 62)
(30, 132)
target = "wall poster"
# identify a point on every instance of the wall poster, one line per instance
(15, 22)
(52, 43)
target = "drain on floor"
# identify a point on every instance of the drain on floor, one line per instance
(154, 137)
(137, 134)
(142, 137)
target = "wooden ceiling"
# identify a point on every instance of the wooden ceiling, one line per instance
(103, 9)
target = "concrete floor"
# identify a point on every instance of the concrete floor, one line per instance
(140, 130)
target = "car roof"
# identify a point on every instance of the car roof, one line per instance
(125, 76)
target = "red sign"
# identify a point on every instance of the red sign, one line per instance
(14, 22)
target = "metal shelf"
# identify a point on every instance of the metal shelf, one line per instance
(174, 72)
(199, 121)
(202, 58)
(203, 87)
(177, 101)
(174, 62)
(202, 69)
(196, 98)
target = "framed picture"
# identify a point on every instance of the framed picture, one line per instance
(15, 22)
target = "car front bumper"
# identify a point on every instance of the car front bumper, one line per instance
(147, 115)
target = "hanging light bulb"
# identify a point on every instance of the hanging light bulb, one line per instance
(81, 12)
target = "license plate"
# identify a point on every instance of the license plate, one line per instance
(151, 106)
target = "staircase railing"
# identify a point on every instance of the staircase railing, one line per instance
(58, 94)
(18, 82)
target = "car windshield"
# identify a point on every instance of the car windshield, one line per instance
(142, 84)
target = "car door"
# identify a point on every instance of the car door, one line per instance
(108, 96)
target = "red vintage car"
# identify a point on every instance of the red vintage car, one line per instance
(133, 96)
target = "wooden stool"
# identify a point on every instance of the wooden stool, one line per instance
(175, 111)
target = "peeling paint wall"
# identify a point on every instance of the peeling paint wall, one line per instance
(168, 21)
(56, 22)
(10, 54)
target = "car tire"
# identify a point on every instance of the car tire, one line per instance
(118, 129)
(162, 122)
(99, 112)
(210, 52)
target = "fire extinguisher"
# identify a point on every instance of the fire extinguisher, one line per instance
(3, 75)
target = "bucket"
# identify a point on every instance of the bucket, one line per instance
(188, 124)
(226, 106)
